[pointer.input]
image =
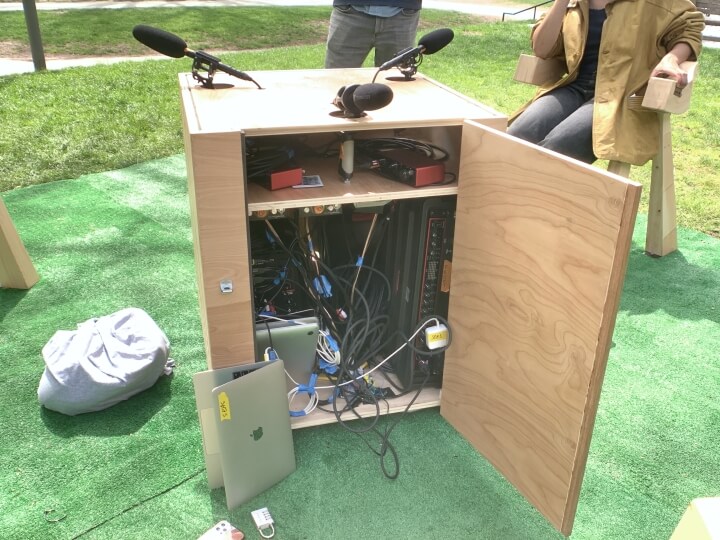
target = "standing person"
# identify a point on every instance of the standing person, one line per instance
(356, 27)
(611, 49)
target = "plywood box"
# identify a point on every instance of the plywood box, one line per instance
(540, 251)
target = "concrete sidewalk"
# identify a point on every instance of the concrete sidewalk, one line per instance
(476, 7)
(11, 66)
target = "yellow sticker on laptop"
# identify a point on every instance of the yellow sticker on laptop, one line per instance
(224, 405)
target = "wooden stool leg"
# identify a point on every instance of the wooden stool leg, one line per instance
(619, 168)
(661, 237)
(16, 268)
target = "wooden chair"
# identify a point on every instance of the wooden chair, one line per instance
(16, 268)
(663, 96)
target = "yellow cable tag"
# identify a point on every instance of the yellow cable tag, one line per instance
(436, 336)
(224, 404)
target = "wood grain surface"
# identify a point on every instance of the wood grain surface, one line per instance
(541, 244)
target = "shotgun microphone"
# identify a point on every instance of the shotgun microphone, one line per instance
(408, 60)
(428, 44)
(161, 41)
(175, 47)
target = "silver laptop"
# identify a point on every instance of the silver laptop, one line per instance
(295, 342)
(245, 424)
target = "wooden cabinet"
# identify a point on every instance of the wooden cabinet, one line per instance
(540, 252)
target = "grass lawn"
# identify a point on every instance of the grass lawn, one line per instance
(63, 124)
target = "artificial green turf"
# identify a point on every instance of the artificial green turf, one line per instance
(122, 238)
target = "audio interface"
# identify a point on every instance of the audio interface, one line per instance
(408, 167)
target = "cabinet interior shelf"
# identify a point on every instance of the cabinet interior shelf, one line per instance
(363, 188)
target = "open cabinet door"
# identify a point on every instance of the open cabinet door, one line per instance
(540, 252)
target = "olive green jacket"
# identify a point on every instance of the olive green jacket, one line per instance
(636, 35)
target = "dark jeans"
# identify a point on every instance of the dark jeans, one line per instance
(560, 121)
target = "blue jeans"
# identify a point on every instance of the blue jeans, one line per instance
(560, 121)
(352, 35)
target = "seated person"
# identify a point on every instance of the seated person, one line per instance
(611, 49)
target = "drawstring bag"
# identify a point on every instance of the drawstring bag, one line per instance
(105, 361)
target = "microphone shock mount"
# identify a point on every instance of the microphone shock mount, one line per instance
(206, 63)
(409, 67)
(209, 64)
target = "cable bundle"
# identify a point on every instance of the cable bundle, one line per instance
(342, 282)
(382, 144)
(260, 161)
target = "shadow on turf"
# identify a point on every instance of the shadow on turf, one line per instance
(122, 419)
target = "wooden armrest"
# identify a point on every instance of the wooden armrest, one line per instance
(662, 95)
(538, 71)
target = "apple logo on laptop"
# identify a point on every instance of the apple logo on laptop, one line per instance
(257, 434)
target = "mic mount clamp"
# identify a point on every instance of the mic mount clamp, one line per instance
(203, 61)
(209, 64)
(410, 66)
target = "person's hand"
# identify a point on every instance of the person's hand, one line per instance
(669, 68)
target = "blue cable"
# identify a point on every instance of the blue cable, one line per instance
(309, 389)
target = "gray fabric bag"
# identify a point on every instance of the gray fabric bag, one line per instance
(105, 361)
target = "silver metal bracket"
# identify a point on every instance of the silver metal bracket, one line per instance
(226, 286)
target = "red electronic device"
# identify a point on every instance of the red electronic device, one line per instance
(285, 178)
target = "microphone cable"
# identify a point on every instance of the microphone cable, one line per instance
(371, 153)
(364, 395)
(262, 160)
(361, 337)
(382, 144)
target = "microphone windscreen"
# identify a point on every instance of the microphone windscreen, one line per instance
(372, 96)
(436, 40)
(160, 40)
